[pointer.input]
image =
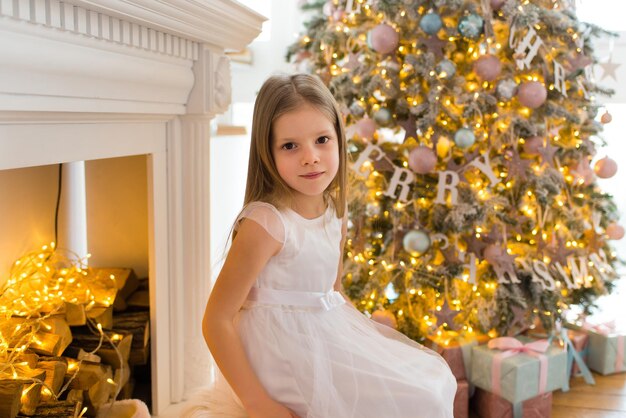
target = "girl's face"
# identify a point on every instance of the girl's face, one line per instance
(306, 151)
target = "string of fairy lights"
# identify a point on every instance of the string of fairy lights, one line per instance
(40, 285)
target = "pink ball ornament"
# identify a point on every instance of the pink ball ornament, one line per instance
(383, 38)
(497, 4)
(487, 67)
(422, 159)
(615, 231)
(492, 253)
(532, 94)
(605, 168)
(606, 118)
(386, 318)
(366, 128)
(532, 145)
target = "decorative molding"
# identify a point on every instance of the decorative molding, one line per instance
(79, 20)
(211, 93)
(223, 23)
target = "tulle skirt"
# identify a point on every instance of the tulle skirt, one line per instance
(333, 364)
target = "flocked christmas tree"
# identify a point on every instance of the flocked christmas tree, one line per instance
(472, 128)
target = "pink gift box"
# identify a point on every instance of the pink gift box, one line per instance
(461, 400)
(488, 405)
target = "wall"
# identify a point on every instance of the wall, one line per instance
(116, 212)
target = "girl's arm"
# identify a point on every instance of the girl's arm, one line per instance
(250, 251)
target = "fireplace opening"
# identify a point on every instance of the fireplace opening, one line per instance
(81, 327)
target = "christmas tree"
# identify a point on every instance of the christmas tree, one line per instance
(471, 128)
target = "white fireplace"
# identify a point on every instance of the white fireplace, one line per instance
(89, 80)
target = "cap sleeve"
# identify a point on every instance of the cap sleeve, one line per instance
(265, 215)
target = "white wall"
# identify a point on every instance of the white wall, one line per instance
(117, 222)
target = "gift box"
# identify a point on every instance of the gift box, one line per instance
(488, 405)
(606, 347)
(580, 342)
(456, 351)
(461, 399)
(519, 369)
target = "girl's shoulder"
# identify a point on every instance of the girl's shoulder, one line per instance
(267, 216)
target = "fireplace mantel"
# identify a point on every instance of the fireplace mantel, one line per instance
(83, 80)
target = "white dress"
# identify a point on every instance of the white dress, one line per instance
(313, 352)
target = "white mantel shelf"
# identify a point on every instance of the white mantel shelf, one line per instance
(82, 80)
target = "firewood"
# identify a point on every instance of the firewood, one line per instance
(127, 390)
(89, 342)
(102, 315)
(87, 375)
(52, 334)
(138, 323)
(121, 376)
(55, 374)
(75, 315)
(97, 395)
(31, 394)
(29, 358)
(127, 283)
(10, 397)
(139, 299)
(57, 409)
(139, 356)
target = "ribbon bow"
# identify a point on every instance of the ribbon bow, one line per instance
(331, 299)
(605, 328)
(512, 347)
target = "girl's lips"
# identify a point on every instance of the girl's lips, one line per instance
(312, 175)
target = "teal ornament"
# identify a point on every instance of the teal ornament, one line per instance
(464, 138)
(445, 69)
(471, 26)
(431, 23)
(416, 242)
(382, 116)
(390, 293)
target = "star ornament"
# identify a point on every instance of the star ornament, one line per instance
(446, 316)
(435, 45)
(609, 68)
(547, 153)
(409, 126)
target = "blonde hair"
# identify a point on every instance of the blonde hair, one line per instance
(278, 95)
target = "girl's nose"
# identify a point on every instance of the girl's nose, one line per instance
(310, 157)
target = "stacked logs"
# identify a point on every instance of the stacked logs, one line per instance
(84, 353)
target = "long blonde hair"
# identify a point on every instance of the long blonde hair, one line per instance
(279, 95)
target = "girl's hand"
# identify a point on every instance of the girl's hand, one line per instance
(272, 409)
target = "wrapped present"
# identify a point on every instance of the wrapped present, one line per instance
(488, 405)
(456, 351)
(519, 369)
(606, 347)
(461, 399)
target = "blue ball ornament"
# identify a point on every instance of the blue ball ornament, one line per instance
(464, 138)
(445, 68)
(431, 23)
(471, 26)
(416, 241)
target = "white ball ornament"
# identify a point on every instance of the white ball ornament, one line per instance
(383, 38)
(615, 231)
(464, 138)
(605, 168)
(445, 68)
(532, 94)
(383, 116)
(506, 89)
(416, 241)
(487, 67)
(422, 160)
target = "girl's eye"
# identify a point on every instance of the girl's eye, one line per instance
(288, 146)
(323, 139)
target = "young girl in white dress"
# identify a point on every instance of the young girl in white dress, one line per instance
(286, 340)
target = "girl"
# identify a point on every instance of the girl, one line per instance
(285, 341)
